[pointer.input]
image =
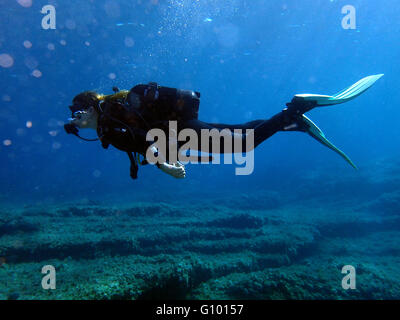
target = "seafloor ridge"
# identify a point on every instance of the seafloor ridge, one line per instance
(263, 246)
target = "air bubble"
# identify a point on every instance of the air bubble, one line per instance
(70, 24)
(37, 73)
(25, 3)
(31, 62)
(129, 42)
(27, 44)
(6, 61)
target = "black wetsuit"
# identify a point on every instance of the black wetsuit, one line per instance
(263, 129)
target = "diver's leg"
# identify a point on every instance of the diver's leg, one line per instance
(291, 118)
(263, 129)
(247, 125)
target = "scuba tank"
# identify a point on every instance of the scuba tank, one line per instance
(157, 103)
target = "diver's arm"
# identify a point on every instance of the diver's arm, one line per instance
(177, 170)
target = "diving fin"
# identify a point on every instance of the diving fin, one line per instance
(302, 103)
(343, 96)
(305, 124)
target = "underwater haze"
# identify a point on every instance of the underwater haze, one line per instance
(286, 231)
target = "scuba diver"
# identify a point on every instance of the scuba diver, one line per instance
(123, 119)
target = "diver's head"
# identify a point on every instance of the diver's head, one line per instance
(87, 99)
(85, 119)
(85, 110)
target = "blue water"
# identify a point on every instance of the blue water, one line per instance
(247, 58)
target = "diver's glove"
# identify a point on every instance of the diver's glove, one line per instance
(177, 170)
